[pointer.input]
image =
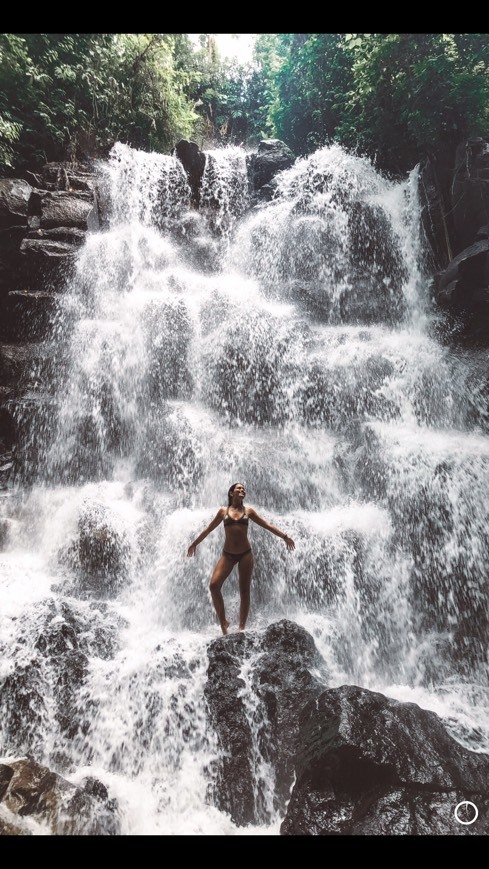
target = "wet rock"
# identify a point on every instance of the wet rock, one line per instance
(22, 707)
(103, 549)
(459, 241)
(65, 209)
(168, 331)
(63, 809)
(170, 451)
(6, 525)
(58, 242)
(376, 264)
(10, 260)
(243, 379)
(193, 161)
(257, 683)
(67, 175)
(470, 190)
(272, 156)
(14, 202)
(372, 765)
(28, 316)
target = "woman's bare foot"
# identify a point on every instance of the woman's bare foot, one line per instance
(241, 629)
(224, 626)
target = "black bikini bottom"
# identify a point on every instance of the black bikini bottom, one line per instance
(236, 556)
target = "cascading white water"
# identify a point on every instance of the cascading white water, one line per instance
(288, 348)
(224, 194)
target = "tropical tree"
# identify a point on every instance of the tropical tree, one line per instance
(63, 95)
(394, 97)
(414, 93)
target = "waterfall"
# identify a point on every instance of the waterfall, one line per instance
(289, 346)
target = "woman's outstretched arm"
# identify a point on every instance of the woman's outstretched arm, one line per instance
(215, 522)
(264, 524)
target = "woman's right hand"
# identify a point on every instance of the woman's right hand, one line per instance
(191, 549)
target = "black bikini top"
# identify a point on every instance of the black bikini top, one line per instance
(228, 520)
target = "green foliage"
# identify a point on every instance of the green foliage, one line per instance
(415, 92)
(14, 80)
(312, 75)
(68, 95)
(394, 97)
(226, 95)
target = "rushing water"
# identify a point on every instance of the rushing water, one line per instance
(289, 346)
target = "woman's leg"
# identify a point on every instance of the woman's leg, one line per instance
(245, 570)
(221, 572)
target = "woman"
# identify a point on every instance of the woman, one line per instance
(237, 550)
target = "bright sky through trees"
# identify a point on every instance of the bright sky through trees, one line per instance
(237, 45)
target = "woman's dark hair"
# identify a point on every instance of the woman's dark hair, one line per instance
(230, 493)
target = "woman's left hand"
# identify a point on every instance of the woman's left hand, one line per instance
(289, 542)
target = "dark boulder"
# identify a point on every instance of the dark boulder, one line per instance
(372, 765)
(193, 161)
(35, 792)
(65, 208)
(66, 175)
(455, 217)
(462, 291)
(99, 554)
(470, 190)
(256, 716)
(272, 156)
(14, 202)
(435, 222)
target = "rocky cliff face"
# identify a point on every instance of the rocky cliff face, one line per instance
(455, 214)
(44, 219)
(43, 222)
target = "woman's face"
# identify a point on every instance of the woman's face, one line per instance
(239, 490)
